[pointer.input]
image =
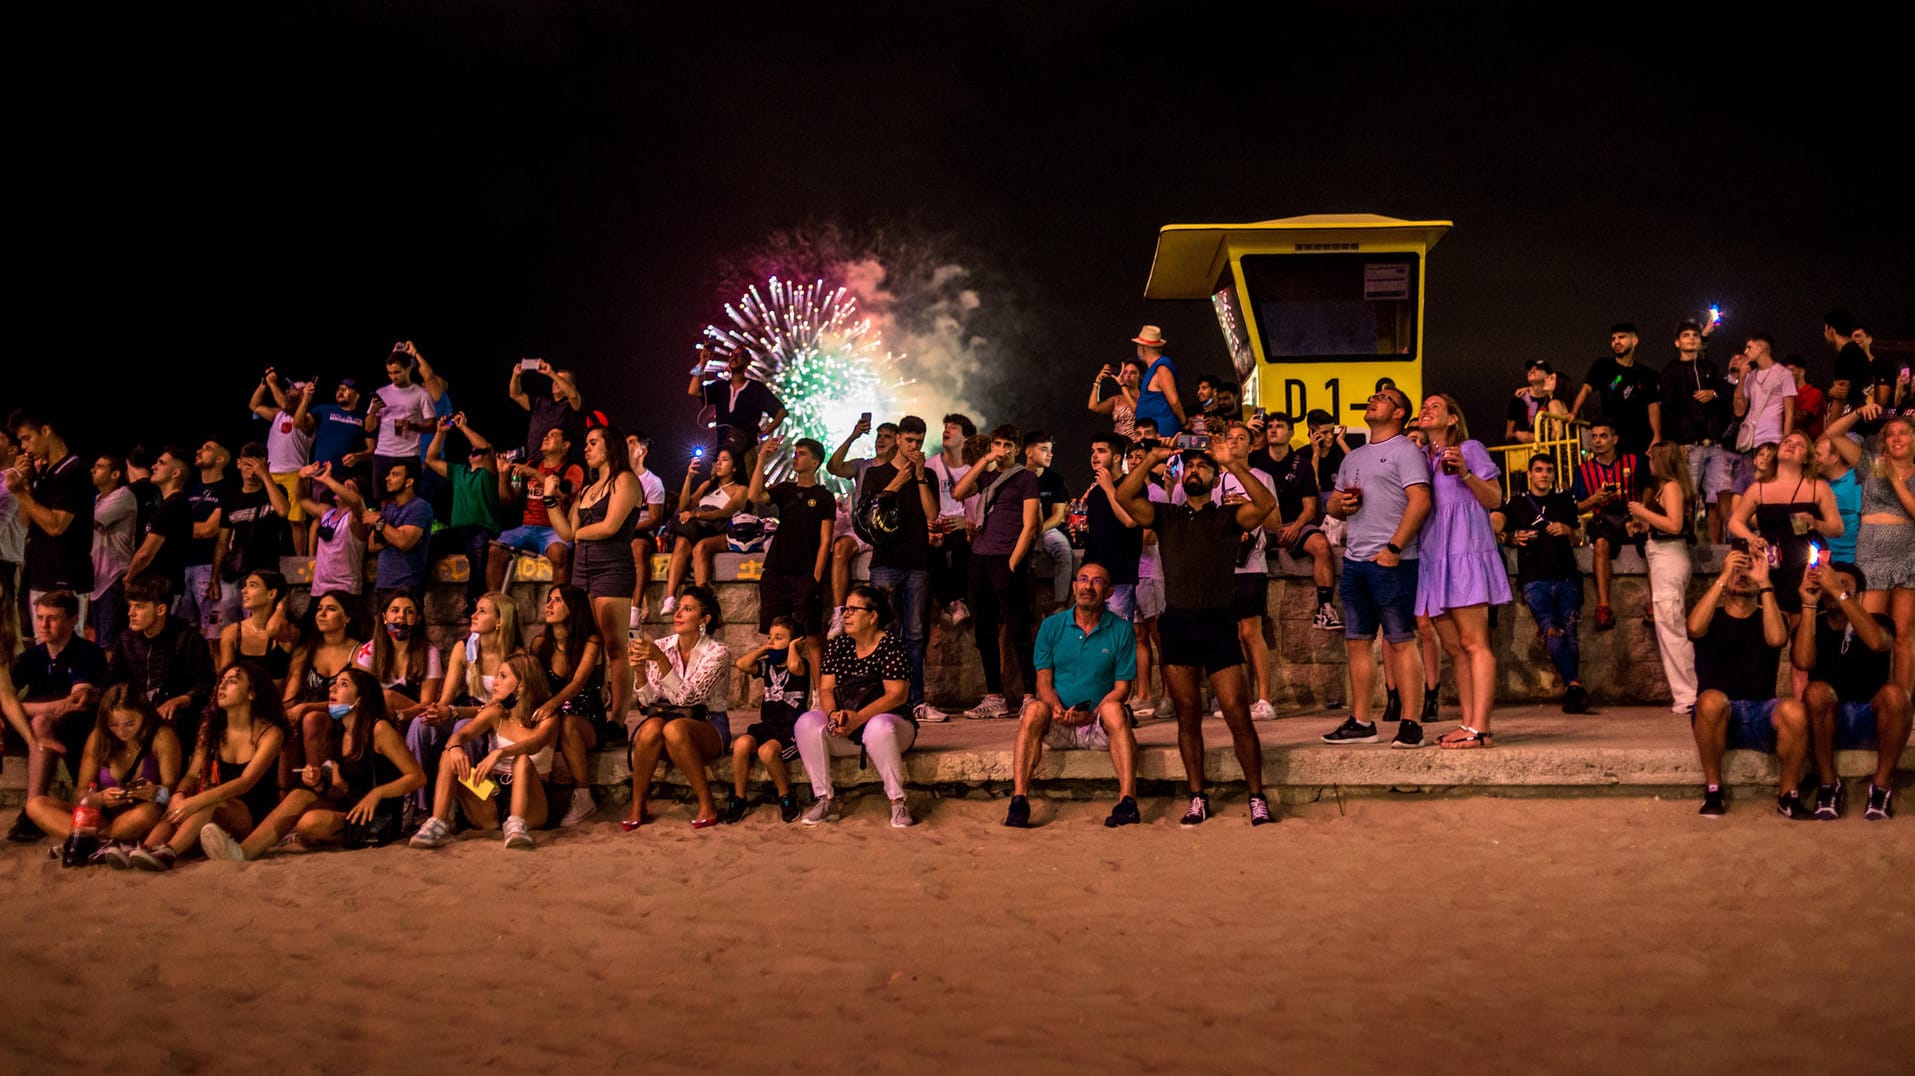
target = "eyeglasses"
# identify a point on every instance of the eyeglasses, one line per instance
(1094, 580)
(859, 609)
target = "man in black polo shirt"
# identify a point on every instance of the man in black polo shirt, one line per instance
(1738, 632)
(793, 583)
(1852, 701)
(1198, 543)
(1541, 522)
(58, 680)
(53, 489)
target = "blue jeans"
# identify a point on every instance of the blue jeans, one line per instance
(107, 614)
(1556, 605)
(909, 590)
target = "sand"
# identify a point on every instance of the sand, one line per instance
(1446, 934)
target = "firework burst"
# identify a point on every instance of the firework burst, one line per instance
(825, 361)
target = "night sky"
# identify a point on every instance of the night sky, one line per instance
(301, 185)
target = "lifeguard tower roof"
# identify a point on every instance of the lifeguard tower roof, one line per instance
(1190, 257)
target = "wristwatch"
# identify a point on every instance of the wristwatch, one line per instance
(1394, 549)
(1844, 596)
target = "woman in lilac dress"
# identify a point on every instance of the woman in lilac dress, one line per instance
(1461, 572)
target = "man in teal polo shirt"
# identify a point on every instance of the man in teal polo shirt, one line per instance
(1086, 661)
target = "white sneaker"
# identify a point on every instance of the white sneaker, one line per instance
(1147, 708)
(960, 612)
(583, 807)
(1261, 710)
(901, 815)
(824, 810)
(219, 844)
(837, 621)
(515, 834)
(638, 615)
(665, 607)
(434, 834)
(1166, 708)
(928, 714)
(988, 707)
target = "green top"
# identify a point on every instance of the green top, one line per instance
(475, 497)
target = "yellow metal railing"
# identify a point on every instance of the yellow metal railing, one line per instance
(1560, 438)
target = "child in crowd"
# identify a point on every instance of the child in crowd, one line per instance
(787, 678)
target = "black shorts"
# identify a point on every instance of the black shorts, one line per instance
(799, 597)
(1295, 548)
(769, 732)
(1249, 595)
(1603, 528)
(1206, 637)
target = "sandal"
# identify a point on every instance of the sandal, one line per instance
(1462, 736)
(704, 823)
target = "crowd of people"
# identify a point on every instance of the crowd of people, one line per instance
(194, 709)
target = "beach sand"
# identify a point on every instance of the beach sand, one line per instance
(1438, 933)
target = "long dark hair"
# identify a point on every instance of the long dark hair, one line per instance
(578, 628)
(617, 459)
(266, 707)
(123, 697)
(366, 715)
(309, 634)
(385, 652)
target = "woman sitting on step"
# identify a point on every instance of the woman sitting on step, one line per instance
(687, 685)
(863, 685)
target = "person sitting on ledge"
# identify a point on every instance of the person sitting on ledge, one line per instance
(1738, 631)
(1086, 663)
(683, 701)
(1852, 700)
(863, 687)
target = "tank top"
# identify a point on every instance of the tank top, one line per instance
(147, 764)
(599, 554)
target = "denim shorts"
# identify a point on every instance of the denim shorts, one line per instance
(530, 539)
(1123, 600)
(1374, 596)
(1712, 467)
(1751, 725)
(1855, 726)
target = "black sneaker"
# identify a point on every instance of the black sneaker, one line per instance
(1714, 805)
(1409, 734)
(1352, 731)
(1576, 700)
(788, 808)
(735, 809)
(1260, 811)
(1429, 704)
(1789, 805)
(1879, 800)
(24, 831)
(1199, 810)
(1019, 816)
(1392, 707)
(1124, 814)
(1828, 802)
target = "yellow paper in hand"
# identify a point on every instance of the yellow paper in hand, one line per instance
(479, 784)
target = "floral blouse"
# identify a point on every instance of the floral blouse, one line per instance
(682, 682)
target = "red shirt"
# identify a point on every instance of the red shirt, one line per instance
(571, 479)
(1808, 409)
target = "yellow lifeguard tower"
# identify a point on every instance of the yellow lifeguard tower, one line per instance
(1314, 309)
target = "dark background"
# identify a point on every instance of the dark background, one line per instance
(300, 185)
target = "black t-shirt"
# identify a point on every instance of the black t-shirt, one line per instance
(1734, 658)
(1852, 366)
(1327, 467)
(1108, 542)
(548, 413)
(39, 676)
(1846, 664)
(1295, 479)
(260, 535)
(64, 560)
(786, 693)
(1544, 557)
(911, 549)
(1898, 374)
(172, 519)
(1685, 420)
(1199, 551)
(146, 497)
(801, 509)
(1051, 491)
(204, 498)
(1625, 393)
(755, 403)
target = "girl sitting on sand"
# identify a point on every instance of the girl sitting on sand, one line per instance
(568, 650)
(134, 758)
(353, 798)
(230, 778)
(688, 689)
(515, 767)
(787, 680)
(863, 685)
(401, 659)
(467, 688)
(326, 648)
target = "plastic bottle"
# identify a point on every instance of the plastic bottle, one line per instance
(85, 838)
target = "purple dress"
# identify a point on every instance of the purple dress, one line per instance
(1460, 564)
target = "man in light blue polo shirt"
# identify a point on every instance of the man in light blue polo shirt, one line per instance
(1086, 659)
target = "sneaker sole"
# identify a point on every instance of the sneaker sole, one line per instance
(1417, 746)
(1340, 741)
(520, 844)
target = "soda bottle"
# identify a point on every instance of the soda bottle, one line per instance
(85, 837)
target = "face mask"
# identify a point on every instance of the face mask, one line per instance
(399, 633)
(778, 657)
(339, 710)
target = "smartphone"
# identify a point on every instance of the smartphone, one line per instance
(698, 453)
(865, 417)
(1740, 545)
(1715, 314)
(528, 364)
(1256, 414)
(1340, 430)
(1815, 555)
(1191, 440)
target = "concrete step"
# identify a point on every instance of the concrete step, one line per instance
(1539, 750)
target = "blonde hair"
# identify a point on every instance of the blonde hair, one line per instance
(509, 643)
(1456, 412)
(534, 689)
(1669, 462)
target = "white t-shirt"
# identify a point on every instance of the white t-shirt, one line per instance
(412, 402)
(1151, 564)
(288, 448)
(13, 529)
(948, 478)
(1767, 391)
(115, 526)
(652, 489)
(435, 668)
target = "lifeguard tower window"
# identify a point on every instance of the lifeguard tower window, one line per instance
(1334, 307)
